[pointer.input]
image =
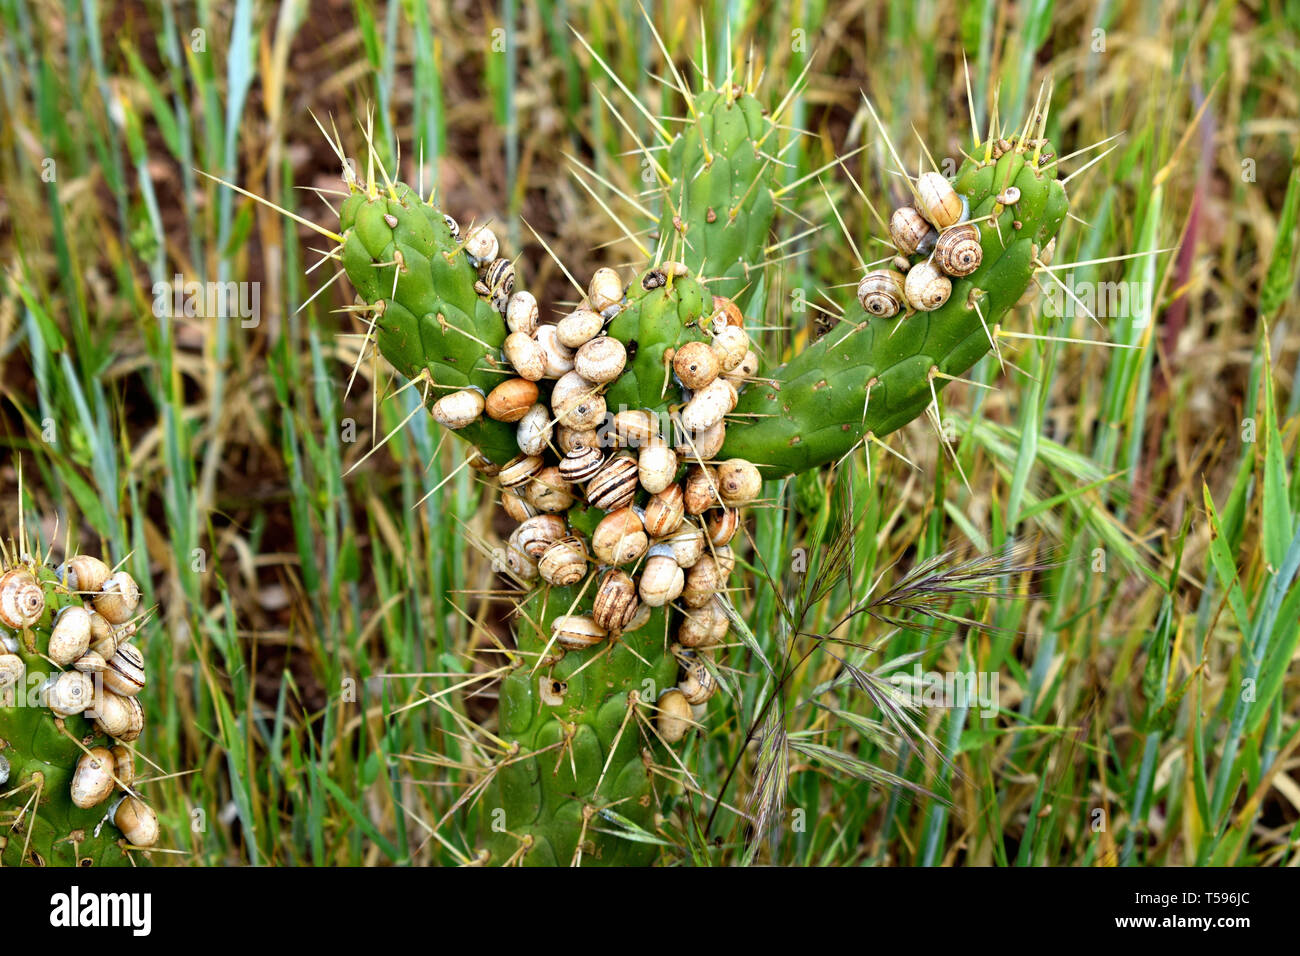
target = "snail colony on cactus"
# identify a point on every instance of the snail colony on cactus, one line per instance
(664, 516)
(80, 622)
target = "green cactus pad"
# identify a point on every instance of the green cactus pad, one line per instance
(819, 408)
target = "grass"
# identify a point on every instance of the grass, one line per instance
(1142, 502)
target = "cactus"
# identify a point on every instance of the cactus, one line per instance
(45, 757)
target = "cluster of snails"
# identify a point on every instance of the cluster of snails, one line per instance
(671, 546)
(937, 227)
(101, 673)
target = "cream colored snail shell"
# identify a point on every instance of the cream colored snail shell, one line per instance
(687, 544)
(881, 292)
(721, 525)
(698, 684)
(927, 288)
(958, 250)
(620, 538)
(911, 232)
(136, 820)
(91, 662)
(632, 428)
(703, 444)
(702, 582)
(12, 670)
(743, 372)
(615, 602)
(656, 466)
(525, 356)
(534, 535)
(709, 405)
(675, 717)
(938, 201)
(118, 598)
(481, 245)
(661, 579)
(576, 402)
(730, 346)
(614, 486)
(739, 482)
(70, 635)
(548, 492)
(640, 618)
(520, 566)
(118, 716)
(559, 358)
(92, 781)
(564, 562)
(568, 439)
(533, 432)
(22, 599)
(516, 507)
(696, 365)
(1009, 196)
(521, 313)
(601, 360)
(125, 671)
(578, 328)
(696, 628)
(605, 290)
(84, 573)
(664, 511)
(69, 693)
(576, 632)
(458, 409)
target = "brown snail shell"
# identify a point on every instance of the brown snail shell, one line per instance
(601, 360)
(118, 598)
(84, 573)
(548, 492)
(938, 201)
(70, 635)
(482, 464)
(615, 602)
(578, 328)
(510, 400)
(698, 683)
(614, 485)
(534, 535)
(136, 820)
(581, 463)
(725, 559)
(656, 466)
(22, 599)
(696, 365)
(576, 632)
(118, 716)
(664, 511)
(92, 781)
(738, 482)
(687, 544)
(620, 538)
(696, 628)
(675, 717)
(632, 428)
(927, 288)
(525, 356)
(516, 507)
(911, 232)
(721, 525)
(958, 250)
(124, 765)
(881, 292)
(703, 444)
(725, 312)
(564, 562)
(91, 662)
(700, 489)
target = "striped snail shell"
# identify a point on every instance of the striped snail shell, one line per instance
(576, 632)
(910, 231)
(84, 573)
(578, 328)
(524, 355)
(620, 538)
(91, 662)
(500, 279)
(661, 579)
(614, 486)
(118, 598)
(516, 508)
(696, 365)
(664, 512)
(519, 470)
(675, 717)
(136, 820)
(721, 525)
(600, 360)
(548, 492)
(481, 463)
(698, 683)
(656, 466)
(481, 246)
(640, 618)
(739, 482)
(581, 463)
(958, 251)
(615, 602)
(533, 433)
(70, 635)
(92, 781)
(881, 292)
(118, 716)
(536, 534)
(521, 312)
(939, 202)
(452, 226)
(927, 288)
(559, 357)
(605, 290)
(22, 599)
(564, 562)
(510, 400)
(458, 409)
(700, 489)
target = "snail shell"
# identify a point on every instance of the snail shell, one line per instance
(696, 629)
(516, 507)
(696, 365)
(675, 715)
(581, 463)
(92, 781)
(12, 669)
(739, 482)
(548, 492)
(725, 559)
(536, 534)
(743, 372)
(703, 444)
(605, 290)
(730, 346)
(22, 599)
(500, 279)
(664, 512)
(725, 312)
(569, 439)
(620, 538)
(615, 602)
(958, 250)
(69, 693)
(640, 618)
(578, 328)
(1009, 196)
(481, 463)
(614, 486)
(118, 716)
(533, 433)
(702, 582)
(910, 231)
(91, 662)
(687, 544)
(721, 525)
(881, 292)
(601, 360)
(118, 598)
(576, 632)
(938, 201)
(519, 565)
(700, 489)
(564, 562)
(103, 638)
(481, 246)
(124, 765)
(632, 428)
(661, 579)
(559, 358)
(721, 620)
(518, 470)
(576, 403)
(70, 636)
(709, 405)
(525, 356)
(656, 466)
(698, 683)
(458, 409)
(453, 227)
(521, 312)
(84, 573)
(926, 287)
(136, 820)
(510, 400)
(551, 691)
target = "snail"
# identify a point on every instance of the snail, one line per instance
(564, 562)
(136, 820)
(601, 359)
(696, 628)
(675, 715)
(881, 292)
(533, 433)
(744, 371)
(84, 573)
(576, 632)
(703, 443)
(910, 232)
(938, 202)
(581, 464)
(519, 470)
(534, 535)
(702, 582)
(525, 356)
(958, 250)
(458, 409)
(687, 544)
(516, 507)
(578, 328)
(521, 313)
(632, 428)
(481, 463)
(453, 227)
(725, 312)
(511, 400)
(22, 599)
(661, 579)
(698, 684)
(500, 282)
(559, 357)
(548, 492)
(708, 406)
(700, 489)
(69, 693)
(12, 669)
(620, 538)
(481, 246)
(1009, 196)
(721, 525)
(926, 287)
(614, 486)
(124, 673)
(124, 765)
(70, 635)
(92, 781)
(664, 511)
(730, 345)
(656, 466)
(576, 403)
(738, 482)
(615, 602)
(569, 439)
(91, 662)
(118, 716)
(605, 289)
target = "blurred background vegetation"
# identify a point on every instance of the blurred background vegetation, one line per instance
(299, 602)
